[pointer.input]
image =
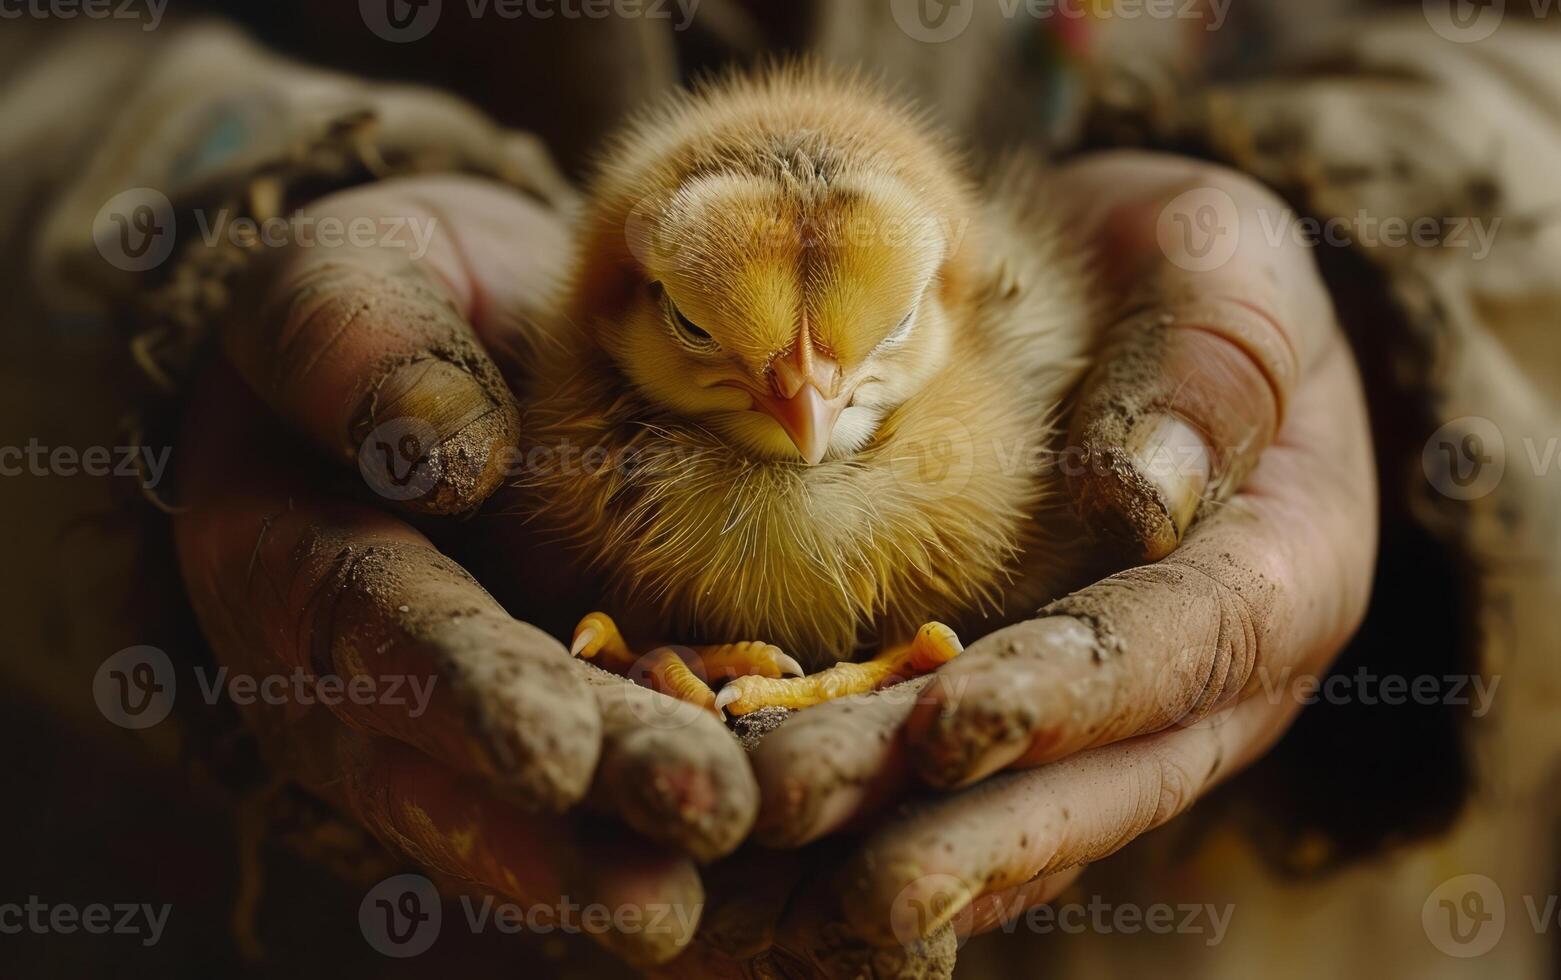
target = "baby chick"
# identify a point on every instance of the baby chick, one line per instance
(805, 392)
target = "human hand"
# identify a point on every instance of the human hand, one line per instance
(492, 730)
(1126, 701)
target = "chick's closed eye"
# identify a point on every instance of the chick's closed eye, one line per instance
(685, 330)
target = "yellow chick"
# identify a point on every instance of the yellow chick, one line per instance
(803, 401)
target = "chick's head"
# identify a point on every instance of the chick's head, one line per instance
(779, 262)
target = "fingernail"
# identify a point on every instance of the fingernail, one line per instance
(1174, 458)
(432, 434)
(926, 904)
(1140, 492)
(954, 905)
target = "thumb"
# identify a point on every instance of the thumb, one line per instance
(376, 344)
(1218, 323)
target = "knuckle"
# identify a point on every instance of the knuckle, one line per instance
(1240, 619)
(320, 303)
(329, 595)
(351, 598)
(1176, 787)
(1218, 616)
(1234, 340)
(314, 307)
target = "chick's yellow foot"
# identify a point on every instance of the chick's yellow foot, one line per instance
(665, 670)
(934, 645)
(681, 672)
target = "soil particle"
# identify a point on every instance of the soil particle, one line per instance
(751, 728)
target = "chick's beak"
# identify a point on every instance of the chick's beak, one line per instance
(807, 400)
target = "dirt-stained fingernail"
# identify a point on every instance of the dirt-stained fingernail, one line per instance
(1174, 458)
(433, 437)
(1144, 493)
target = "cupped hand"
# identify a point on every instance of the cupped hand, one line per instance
(1225, 392)
(357, 397)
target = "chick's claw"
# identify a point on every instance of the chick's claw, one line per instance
(751, 658)
(935, 644)
(597, 639)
